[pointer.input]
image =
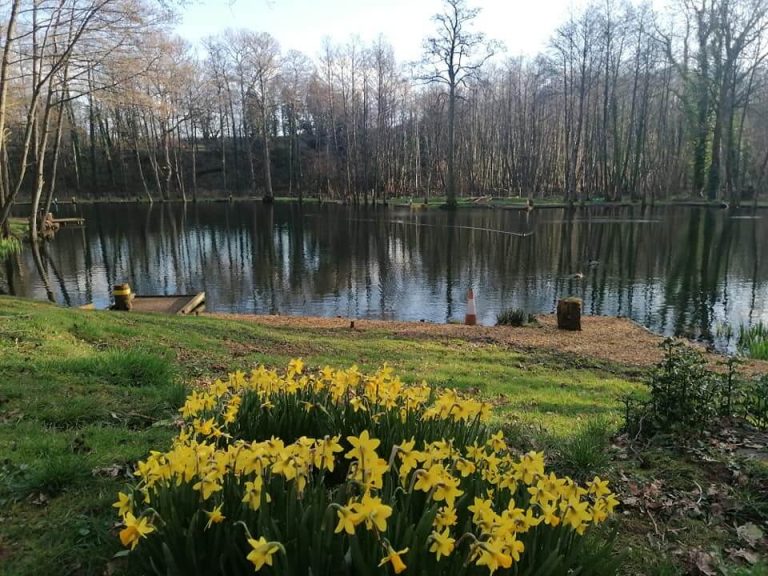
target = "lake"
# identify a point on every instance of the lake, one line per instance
(683, 271)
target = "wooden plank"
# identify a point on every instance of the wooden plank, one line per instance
(193, 303)
(161, 304)
(64, 222)
(175, 305)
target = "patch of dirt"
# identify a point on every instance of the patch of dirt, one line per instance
(615, 340)
(696, 504)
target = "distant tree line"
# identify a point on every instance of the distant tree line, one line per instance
(99, 99)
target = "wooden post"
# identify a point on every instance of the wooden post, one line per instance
(122, 294)
(569, 314)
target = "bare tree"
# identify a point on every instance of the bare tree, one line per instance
(453, 56)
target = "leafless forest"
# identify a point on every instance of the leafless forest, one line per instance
(99, 99)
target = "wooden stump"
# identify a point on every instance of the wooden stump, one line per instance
(569, 314)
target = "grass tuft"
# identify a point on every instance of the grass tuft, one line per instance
(584, 454)
(753, 341)
(513, 317)
(130, 368)
(51, 476)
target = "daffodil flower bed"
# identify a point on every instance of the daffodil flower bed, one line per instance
(336, 472)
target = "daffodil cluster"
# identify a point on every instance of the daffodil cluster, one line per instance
(368, 500)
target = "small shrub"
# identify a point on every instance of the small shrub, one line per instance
(685, 396)
(754, 401)
(513, 317)
(684, 392)
(753, 341)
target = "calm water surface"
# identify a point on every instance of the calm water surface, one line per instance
(675, 270)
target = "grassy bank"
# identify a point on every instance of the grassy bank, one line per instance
(415, 201)
(18, 229)
(84, 394)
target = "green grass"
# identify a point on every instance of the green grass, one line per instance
(583, 453)
(84, 394)
(18, 226)
(12, 245)
(83, 391)
(753, 341)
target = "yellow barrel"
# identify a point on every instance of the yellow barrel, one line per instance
(122, 296)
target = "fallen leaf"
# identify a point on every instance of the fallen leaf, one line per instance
(704, 562)
(746, 555)
(749, 533)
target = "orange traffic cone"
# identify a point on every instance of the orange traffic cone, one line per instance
(471, 318)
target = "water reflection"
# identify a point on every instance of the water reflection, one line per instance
(675, 270)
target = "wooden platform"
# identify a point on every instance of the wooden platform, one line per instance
(178, 305)
(69, 222)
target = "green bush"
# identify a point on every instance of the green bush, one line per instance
(754, 401)
(685, 394)
(687, 397)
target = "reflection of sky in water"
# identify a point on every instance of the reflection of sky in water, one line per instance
(674, 270)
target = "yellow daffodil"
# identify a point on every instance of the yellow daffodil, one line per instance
(373, 512)
(205, 458)
(393, 558)
(135, 529)
(347, 521)
(296, 366)
(214, 516)
(549, 515)
(427, 479)
(124, 504)
(262, 552)
(363, 446)
(491, 555)
(447, 488)
(442, 543)
(445, 518)
(598, 488)
(575, 513)
(253, 492)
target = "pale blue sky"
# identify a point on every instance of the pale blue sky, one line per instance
(524, 26)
